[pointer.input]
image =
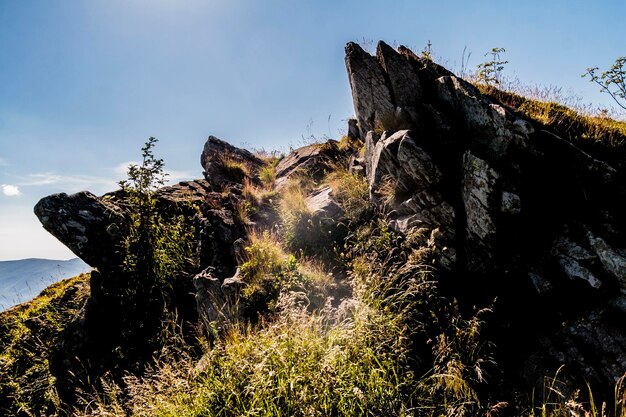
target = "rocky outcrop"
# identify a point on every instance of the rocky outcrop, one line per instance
(509, 213)
(313, 160)
(89, 226)
(95, 228)
(520, 215)
(226, 164)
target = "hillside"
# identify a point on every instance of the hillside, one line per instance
(21, 280)
(451, 255)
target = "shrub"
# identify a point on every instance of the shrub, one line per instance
(267, 176)
(269, 272)
(490, 72)
(158, 249)
(300, 232)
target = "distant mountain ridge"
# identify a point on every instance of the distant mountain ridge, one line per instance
(23, 279)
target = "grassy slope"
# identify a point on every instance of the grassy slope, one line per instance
(28, 333)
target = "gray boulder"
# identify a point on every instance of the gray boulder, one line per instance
(91, 227)
(370, 93)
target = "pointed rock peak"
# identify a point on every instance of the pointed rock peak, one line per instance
(383, 49)
(354, 48)
(224, 163)
(371, 94)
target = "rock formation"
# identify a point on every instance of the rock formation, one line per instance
(515, 217)
(520, 215)
(94, 228)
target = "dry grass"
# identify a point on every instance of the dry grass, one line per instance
(574, 121)
(350, 191)
(233, 168)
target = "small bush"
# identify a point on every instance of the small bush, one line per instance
(158, 249)
(299, 230)
(612, 81)
(490, 72)
(348, 144)
(266, 262)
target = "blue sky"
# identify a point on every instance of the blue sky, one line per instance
(83, 84)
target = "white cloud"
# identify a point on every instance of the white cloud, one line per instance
(10, 190)
(174, 177)
(49, 178)
(69, 183)
(96, 184)
(23, 236)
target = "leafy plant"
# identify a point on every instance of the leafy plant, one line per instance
(612, 81)
(490, 72)
(158, 246)
(427, 52)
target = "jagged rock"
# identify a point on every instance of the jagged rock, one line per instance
(492, 130)
(91, 227)
(403, 176)
(94, 228)
(570, 256)
(517, 208)
(311, 160)
(370, 93)
(542, 285)
(357, 166)
(184, 193)
(221, 162)
(405, 88)
(511, 203)
(478, 189)
(593, 345)
(613, 261)
(398, 157)
(353, 129)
